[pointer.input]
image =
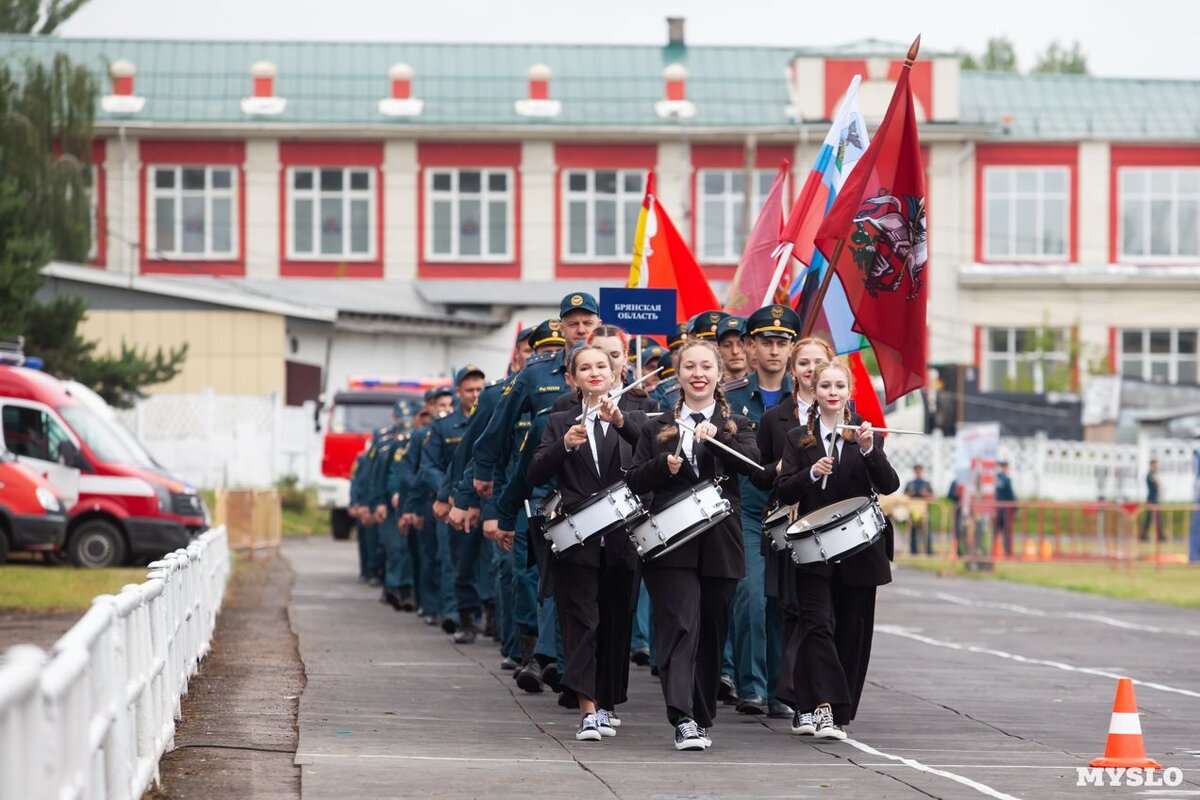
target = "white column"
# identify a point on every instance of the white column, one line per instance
(262, 208)
(122, 165)
(945, 90)
(1094, 163)
(537, 257)
(951, 178)
(400, 235)
(672, 176)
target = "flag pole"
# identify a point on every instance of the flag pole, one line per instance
(815, 308)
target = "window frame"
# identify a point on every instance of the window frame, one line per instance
(1173, 358)
(727, 197)
(1013, 357)
(1147, 197)
(370, 194)
(486, 196)
(209, 194)
(589, 196)
(1040, 196)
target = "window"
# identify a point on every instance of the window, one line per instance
(601, 213)
(721, 229)
(33, 433)
(1025, 212)
(1027, 359)
(1162, 355)
(1160, 213)
(333, 213)
(469, 214)
(191, 212)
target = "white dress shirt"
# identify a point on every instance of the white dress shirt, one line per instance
(685, 418)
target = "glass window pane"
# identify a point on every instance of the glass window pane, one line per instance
(1027, 180)
(331, 181)
(1027, 240)
(1187, 372)
(497, 182)
(606, 182)
(164, 224)
(1054, 181)
(999, 181)
(1187, 343)
(1025, 340)
(302, 224)
(606, 227)
(1160, 341)
(997, 375)
(997, 228)
(302, 179)
(469, 181)
(222, 225)
(577, 228)
(193, 224)
(1131, 341)
(1132, 368)
(1132, 234)
(1160, 371)
(441, 228)
(360, 180)
(632, 209)
(497, 228)
(360, 226)
(193, 177)
(1189, 181)
(633, 182)
(164, 178)
(1133, 180)
(998, 340)
(737, 182)
(1026, 380)
(1160, 181)
(470, 236)
(1188, 220)
(1160, 227)
(1054, 241)
(222, 178)
(714, 183)
(331, 222)
(714, 229)
(441, 181)
(577, 181)
(765, 179)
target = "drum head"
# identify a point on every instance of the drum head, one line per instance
(684, 537)
(827, 516)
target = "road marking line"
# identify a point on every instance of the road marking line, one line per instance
(896, 630)
(982, 788)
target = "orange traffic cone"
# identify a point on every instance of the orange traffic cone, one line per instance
(1031, 553)
(1125, 747)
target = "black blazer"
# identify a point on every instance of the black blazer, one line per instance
(856, 475)
(578, 479)
(717, 553)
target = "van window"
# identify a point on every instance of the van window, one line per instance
(33, 433)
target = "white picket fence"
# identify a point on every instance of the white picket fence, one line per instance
(214, 440)
(92, 718)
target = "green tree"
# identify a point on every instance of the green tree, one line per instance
(999, 56)
(36, 16)
(1058, 59)
(46, 116)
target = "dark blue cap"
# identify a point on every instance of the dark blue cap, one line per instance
(774, 320)
(402, 408)
(524, 334)
(731, 324)
(705, 324)
(678, 337)
(549, 331)
(442, 391)
(578, 301)
(653, 352)
(430, 394)
(466, 372)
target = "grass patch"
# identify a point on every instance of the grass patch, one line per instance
(1170, 584)
(45, 588)
(307, 518)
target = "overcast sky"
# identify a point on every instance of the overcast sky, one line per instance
(1132, 38)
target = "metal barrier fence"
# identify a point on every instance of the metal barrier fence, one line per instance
(92, 718)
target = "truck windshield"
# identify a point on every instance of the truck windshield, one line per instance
(360, 418)
(105, 438)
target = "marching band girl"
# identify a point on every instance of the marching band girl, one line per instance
(825, 663)
(691, 587)
(593, 582)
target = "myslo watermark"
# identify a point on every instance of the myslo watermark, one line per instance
(1128, 776)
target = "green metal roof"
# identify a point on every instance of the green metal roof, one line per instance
(600, 86)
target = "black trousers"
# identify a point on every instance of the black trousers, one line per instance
(595, 612)
(827, 651)
(691, 623)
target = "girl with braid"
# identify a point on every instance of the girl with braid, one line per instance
(691, 587)
(825, 663)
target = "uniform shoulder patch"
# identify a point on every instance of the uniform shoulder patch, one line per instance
(545, 412)
(539, 359)
(508, 389)
(496, 382)
(671, 390)
(736, 383)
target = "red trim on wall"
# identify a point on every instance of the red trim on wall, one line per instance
(330, 154)
(152, 152)
(840, 71)
(1138, 156)
(593, 156)
(100, 188)
(465, 156)
(921, 81)
(1024, 155)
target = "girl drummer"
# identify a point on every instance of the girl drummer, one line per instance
(691, 586)
(593, 582)
(825, 664)
(773, 428)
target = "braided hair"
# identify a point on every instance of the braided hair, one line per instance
(797, 346)
(670, 432)
(812, 427)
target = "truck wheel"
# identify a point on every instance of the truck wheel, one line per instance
(97, 543)
(3, 545)
(339, 523)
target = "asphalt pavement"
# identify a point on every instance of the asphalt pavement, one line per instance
(977, 688)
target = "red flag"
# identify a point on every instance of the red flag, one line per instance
(880, 216)
(752, 281)
(662, 260)
(866, 402)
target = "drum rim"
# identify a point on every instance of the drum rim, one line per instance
(867, 501)
(840, 556)
(686, 535)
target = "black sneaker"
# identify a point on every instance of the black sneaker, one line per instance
(449, 625)
(640, 656)
(466, 634)
(529, 677)
(752, 705)
(777, 709)
(687, 736)
(705, 735)
(803, 723)
(826, 727)
(604, 723)
(589, 730)
(551, 677)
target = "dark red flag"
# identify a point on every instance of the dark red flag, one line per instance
(880, 213)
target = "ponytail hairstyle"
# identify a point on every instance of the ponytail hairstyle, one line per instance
(609, 330)
(573, 359)
(797, 346)
(671, 432)
(812, 428)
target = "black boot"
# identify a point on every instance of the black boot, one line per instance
(467, 632)
(406, 602)
(390, 596)
(489, 622)
(529, 676)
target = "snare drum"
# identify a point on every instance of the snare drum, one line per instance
(776, 520)
(685, 517)
(836, 532)
(601, 513)
(550, 506)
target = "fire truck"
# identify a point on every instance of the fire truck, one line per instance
(354, 414)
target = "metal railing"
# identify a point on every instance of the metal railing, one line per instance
(92, 718)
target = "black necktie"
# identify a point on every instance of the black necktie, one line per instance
(833, 449)
(598, 438)
(697, 447)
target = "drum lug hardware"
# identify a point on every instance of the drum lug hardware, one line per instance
(554, 549)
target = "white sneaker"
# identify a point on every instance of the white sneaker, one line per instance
(826, 727)
(705, 736)
(803, 724)
(613, 719)
(604, 723)
(588, 731)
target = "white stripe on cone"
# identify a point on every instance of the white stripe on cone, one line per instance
(1125, 723)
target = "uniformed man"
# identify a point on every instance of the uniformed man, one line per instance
(397, 563)
(754, 629)
(416, 517)
(360, 514)
(705, 325)
(733, 349)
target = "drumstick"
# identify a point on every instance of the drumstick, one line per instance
(832, 450)
(615, 395)
(881, 430)
(726, 448)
